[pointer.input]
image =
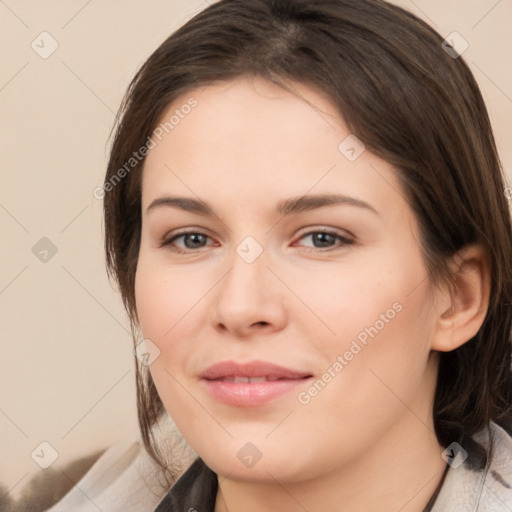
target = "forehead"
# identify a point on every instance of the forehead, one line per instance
(241, 116)
(252, 141)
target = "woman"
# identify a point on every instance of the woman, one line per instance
(305, 213)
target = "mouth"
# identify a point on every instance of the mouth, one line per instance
(251, 384)
(238, 379)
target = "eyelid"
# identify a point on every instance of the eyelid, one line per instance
(327, 229)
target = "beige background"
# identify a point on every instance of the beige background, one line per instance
(66, 369)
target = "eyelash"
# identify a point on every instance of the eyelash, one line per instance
(343, 241)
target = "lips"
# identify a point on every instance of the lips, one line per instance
(250, 384)
(255, 369)
(239, 379)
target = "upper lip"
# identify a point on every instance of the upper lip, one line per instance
(252, 369)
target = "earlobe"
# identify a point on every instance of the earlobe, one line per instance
(464, 302)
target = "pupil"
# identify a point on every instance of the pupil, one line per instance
(196, 240)
(323, 239)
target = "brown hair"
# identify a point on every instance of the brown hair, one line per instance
(406, 98)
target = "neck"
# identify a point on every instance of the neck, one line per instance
(401, 472)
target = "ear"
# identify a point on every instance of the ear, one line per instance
(462, 304)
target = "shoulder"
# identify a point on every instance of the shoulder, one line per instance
(123, 478)
(48, 486)
(488, 489)
(497, 485)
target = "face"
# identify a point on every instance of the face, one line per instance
(281, 278)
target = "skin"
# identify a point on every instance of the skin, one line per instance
(366, 441)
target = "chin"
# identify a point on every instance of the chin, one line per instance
(256, 461)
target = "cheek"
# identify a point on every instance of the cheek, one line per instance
(382, 317)
(165, 296)
(373, 367)
(164, 299)
(367, 300)
(380, 360)
(172, 308)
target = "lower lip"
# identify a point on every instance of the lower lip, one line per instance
(252, 394)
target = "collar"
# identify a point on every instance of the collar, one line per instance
(195, 490)
(480, 484)
(475, 485)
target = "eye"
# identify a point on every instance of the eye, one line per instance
(325, 239)
(186, 241)
(190, 241)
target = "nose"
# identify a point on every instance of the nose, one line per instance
(249, 300)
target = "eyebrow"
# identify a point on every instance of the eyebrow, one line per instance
(284, 208)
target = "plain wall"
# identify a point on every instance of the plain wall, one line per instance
(66, 364)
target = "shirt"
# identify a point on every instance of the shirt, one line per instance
(125, 479)
(197, 490)
(469, 483)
